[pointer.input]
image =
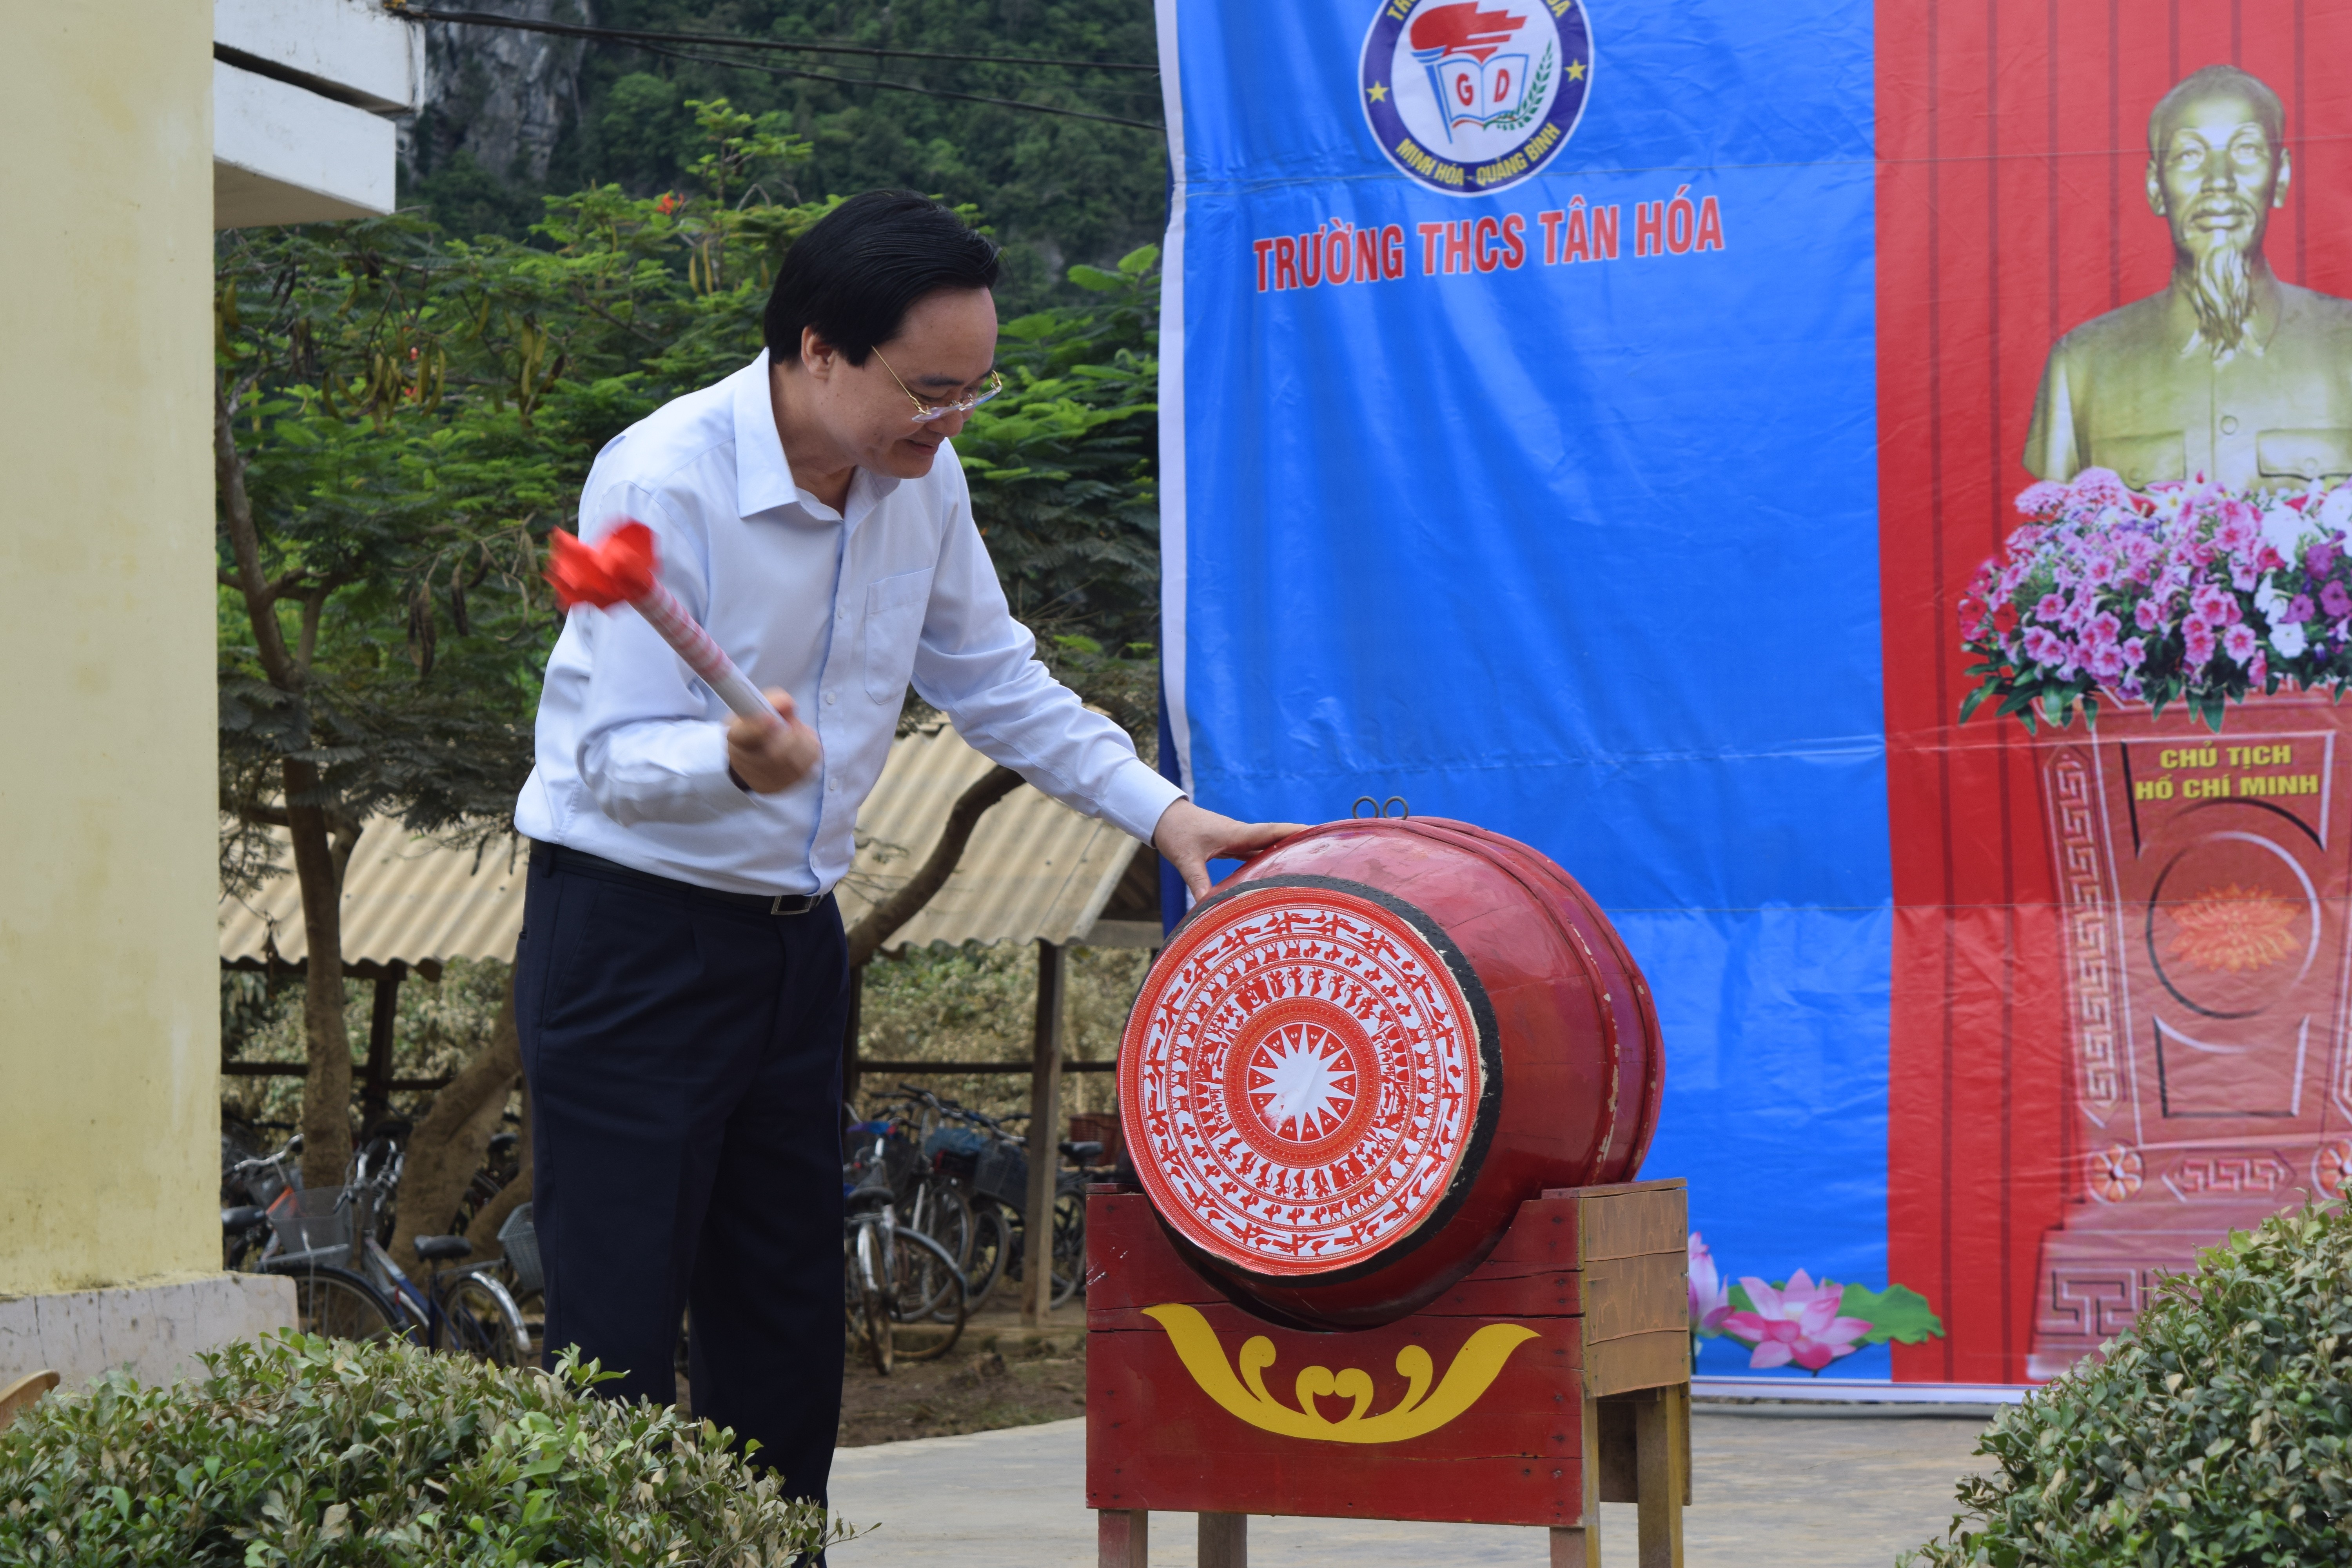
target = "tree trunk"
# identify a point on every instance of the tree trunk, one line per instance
(449, 1145)
(883, 921)
(327, 1086)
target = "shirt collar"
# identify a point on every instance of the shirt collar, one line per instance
(763, 480)
(763, 476)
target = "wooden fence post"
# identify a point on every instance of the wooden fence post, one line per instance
(1044, 1139)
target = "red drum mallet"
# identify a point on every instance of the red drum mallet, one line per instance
(622, 568)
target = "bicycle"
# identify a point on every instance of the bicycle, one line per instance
(895, 1276)
(316, 1236)
(466, 1303)
(289, 1232)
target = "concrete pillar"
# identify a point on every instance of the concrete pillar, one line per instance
(109, 981)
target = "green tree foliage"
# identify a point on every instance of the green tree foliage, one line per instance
(402, 417)
(2217, 1430)
(1059, 190)
(301, 1451)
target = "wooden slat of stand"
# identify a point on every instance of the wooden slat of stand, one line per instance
(1224, 1540)
(1123, 1538)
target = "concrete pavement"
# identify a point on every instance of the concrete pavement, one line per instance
(1774, 1486)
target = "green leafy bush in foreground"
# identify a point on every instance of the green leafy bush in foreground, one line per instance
(2218, 1430)
(301, 1450)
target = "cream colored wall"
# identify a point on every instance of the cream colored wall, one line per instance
(108, 1010)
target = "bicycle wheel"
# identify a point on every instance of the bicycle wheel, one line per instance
(482, 1321)
(928, 1290)
(340, 1305)
(992, 1251)
(941, 1212)
(1069, 1246)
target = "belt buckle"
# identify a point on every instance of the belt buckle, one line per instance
(801, 904)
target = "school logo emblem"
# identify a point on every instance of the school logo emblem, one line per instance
(1470, 96)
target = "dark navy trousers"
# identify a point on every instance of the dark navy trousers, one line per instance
(684, 1056)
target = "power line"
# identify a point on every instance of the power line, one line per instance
(899, 87)
(633, 36)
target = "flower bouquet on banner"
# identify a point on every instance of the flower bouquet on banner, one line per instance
(2198, 838)
(1796, 1323)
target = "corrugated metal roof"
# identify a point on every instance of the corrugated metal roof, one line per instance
(1034, 869)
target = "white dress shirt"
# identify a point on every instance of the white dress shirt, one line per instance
(839, 608)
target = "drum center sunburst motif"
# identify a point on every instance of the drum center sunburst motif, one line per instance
(1305, 1073)
(1301, 1082)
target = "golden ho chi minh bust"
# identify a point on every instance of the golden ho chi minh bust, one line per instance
(2227, 372)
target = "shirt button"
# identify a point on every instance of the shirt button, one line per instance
(830, 697)
(841, 614)
(2229, 424)
(833, 786)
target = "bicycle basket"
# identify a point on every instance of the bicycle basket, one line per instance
(1003, 1173)
(955, 1149)
(314, 1226)
(521, 1242)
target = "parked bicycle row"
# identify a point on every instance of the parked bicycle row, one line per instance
(936, 1194)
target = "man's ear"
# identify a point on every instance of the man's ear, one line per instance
(2154, 187)
(2286, 175)
(817, 356)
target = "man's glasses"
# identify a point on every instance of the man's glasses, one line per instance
(926, 411)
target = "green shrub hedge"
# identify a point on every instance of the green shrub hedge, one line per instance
(301, 1450)
(2216, 1431)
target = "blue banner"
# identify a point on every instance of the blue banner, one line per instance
(1521, 460)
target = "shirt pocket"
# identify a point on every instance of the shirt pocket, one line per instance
(894, 626)
(2142, 460)
(2303, 453)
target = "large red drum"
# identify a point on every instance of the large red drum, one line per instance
(1361, 1053)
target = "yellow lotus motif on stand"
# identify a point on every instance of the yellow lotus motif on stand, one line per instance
(1420, 1412)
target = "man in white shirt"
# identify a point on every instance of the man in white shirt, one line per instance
(681, 984)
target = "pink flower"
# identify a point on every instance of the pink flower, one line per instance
(2211, 603)
(2098, 488)
(2259, 671)
(2041, 500)
(2043, 646)
(1710, 1298)
(2052, 608)
(2336, 600)
(2299, 608)
(2198, 640)
(2237, 534)
(2105, 661)
(2239, 642)
(1799, 1322)
(2100, 631)
(2146, 616)
(2136, 652)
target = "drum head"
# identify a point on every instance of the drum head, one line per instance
(1306, 1078)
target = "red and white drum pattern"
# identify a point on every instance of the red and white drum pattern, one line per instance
(1308, 1076)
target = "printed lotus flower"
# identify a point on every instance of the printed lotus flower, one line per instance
(1710, 1298)
(1797, 1323)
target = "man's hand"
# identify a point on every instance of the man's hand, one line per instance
(1191, 837)
(767, 758)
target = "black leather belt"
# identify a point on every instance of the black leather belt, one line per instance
(562, 858)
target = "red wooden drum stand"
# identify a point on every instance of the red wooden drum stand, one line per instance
(1384, 1089)
(1553, 1377)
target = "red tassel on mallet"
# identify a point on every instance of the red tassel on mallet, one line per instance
(622, 568)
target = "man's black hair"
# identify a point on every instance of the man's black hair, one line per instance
(855, 274)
